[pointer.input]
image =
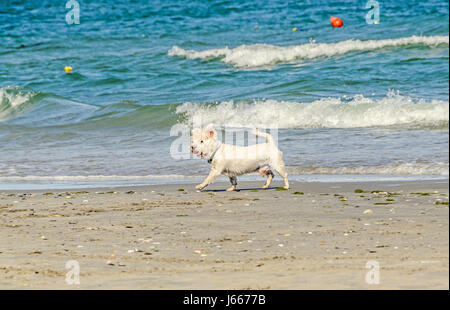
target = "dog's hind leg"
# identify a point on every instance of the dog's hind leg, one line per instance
(280, 169)
(269, 179)
(233, 181)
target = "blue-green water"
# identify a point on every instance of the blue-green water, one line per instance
(365, 99)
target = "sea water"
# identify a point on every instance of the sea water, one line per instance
(369, 101)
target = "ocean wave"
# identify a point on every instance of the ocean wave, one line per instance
(435, 168)
(392, 110)
(14, 101)
(262, 55)
(21, 106)
(94, 177)
(438, 168)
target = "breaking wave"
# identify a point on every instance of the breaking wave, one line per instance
(261, 55)
(20, 106)
(436, 168)
(392, 110)
(14, 101)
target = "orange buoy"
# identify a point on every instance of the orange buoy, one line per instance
(336, 21)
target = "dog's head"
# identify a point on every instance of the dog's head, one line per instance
(203, 141)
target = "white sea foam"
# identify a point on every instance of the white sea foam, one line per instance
(392, 110)
(418, 169)
(12, 100)
(437, 168)
(33, 182)
(261, 55)
(93, 177)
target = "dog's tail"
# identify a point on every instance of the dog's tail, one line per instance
(265, 135)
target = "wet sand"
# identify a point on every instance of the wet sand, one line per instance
(313, 236)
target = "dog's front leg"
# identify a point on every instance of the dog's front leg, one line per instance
(233, 181)
(213, 174)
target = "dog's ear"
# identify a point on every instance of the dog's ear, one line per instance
(209, 131)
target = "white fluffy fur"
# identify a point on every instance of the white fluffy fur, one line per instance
(232, 160)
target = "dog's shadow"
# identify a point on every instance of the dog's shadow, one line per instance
(239, 189)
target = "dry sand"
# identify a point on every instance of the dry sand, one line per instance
(173, 237)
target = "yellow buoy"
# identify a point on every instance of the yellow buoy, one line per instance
(294, 29)
(68, 69)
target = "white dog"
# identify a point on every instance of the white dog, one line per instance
(232, 160)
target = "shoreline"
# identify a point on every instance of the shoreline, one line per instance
(312, 236)
(304, 179)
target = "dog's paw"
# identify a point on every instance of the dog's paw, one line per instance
(231, 189)
(199, 187)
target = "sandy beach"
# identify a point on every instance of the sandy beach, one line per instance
(313, 236)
